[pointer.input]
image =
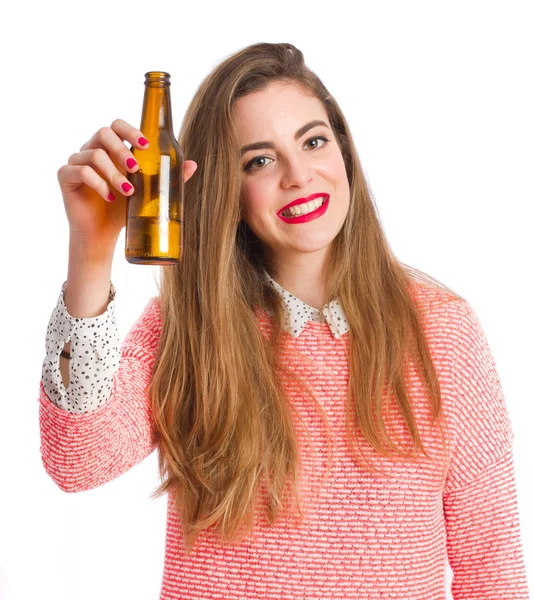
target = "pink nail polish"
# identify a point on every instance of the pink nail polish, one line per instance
(126, 187)
(131, 163)
(111, 197)
(143, 141)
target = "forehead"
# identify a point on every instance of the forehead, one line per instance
(280, 107)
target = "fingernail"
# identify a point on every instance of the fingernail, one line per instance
(131, 163)
(143, 141)
(111, 197)
(126, 187)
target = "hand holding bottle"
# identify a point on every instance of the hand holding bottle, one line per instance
(87, 180)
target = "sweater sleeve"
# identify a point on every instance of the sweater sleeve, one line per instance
(480, 503)
(81, 451)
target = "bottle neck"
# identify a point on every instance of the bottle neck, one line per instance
(157, 115)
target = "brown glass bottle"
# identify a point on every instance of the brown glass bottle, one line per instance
(154, 212)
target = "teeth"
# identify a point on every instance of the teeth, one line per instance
(303, 209)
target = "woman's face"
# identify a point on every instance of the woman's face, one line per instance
(297, 165)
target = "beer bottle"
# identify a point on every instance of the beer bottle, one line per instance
(154, 212)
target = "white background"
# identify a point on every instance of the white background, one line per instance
(439, 99)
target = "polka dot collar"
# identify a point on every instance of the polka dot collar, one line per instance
(299, 313)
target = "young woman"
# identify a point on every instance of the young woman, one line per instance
(329, 421)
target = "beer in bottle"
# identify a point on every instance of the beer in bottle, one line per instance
(154, 212)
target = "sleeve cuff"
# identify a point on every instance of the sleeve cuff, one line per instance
(95, 353)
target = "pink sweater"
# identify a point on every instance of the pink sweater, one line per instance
(365, 536)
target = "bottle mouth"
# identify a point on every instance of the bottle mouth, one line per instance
(157, 78)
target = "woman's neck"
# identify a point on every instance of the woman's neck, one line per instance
(303, 277)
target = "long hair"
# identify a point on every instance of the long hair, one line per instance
(222, 418)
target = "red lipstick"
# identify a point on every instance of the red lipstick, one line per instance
(314, 214)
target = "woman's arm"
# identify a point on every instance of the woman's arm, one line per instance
(480, 503)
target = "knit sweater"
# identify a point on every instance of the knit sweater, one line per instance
(95, 346)
(365, 535)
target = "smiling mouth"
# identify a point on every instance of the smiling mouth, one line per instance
(305, 217)
(303, 209)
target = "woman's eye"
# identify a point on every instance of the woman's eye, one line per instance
(250, 165)
(318, 138)
(253, 162)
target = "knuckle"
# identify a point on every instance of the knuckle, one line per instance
(101, 133)
(98, 155)
(85, 172)
(116, 123)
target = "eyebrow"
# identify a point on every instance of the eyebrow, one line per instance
(300, 132)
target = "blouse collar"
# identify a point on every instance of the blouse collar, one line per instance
(298, 313)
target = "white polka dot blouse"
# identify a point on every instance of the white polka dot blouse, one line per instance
(95, 351)
(95, 347)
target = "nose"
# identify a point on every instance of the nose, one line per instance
(296, 172)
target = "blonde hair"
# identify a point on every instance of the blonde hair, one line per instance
(221, 415)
